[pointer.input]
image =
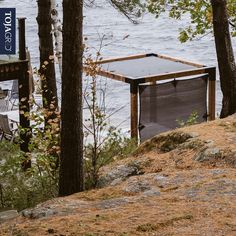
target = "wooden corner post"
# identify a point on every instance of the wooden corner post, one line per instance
(134, 109)
(211, 93)
(24, 107)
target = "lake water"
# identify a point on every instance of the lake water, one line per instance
(150, 35)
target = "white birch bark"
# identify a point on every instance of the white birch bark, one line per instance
(57, 32)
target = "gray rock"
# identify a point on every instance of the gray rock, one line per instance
(37, 213)
(116, 181)
(212, 151)
(8, 215)
(112, 203)
(191, 193)
(218, 172)
(208, 154)
(193, 134)
(152, 192)
(192, 143)
(161, 180)
(118, 174)
(209, 143)
(221, 187)
(136, 186)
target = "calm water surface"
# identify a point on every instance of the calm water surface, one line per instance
(151, 35)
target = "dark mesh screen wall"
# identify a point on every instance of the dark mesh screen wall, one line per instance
(162, 105)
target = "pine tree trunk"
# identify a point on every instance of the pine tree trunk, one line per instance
(225, 56)
(47, 68)
(71, 168)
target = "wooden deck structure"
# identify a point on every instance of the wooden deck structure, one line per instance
(17, 69)
(138, 69)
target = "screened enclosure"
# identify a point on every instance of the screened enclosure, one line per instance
(169, 105)
(156, 107)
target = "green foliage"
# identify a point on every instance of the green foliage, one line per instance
(132, 9)
(22, 189)
(192, 120)
(7, 150)
(46, 135)
(200, 13)
(115, 146)
(103, 142)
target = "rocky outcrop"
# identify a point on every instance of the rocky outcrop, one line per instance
(8, 215)
(178, 183)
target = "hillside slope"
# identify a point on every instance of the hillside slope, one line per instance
(180, 183)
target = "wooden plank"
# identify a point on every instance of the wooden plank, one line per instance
(180, 60)
(11, 66)
(152, 83)
(153, 78)
(172, 75)
(136, 56)
(10, 70)
(9, 76)
(154, 54)
(10, 62)
(24, 95)
(134, 110)
(110, 75)
(24, 107)
(22, 43)
(211, 94)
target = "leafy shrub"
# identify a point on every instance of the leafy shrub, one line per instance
(116, 146)
(192, 120)
(103, 142)
(22, 189)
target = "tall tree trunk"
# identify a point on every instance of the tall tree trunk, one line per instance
(71, 168)
(225, 56)
(57, 32)
(47, 68)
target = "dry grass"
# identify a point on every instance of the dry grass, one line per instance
(198, 198)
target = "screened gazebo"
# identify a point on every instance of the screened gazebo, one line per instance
(168, 88)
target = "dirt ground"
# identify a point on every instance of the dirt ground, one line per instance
(180, 183)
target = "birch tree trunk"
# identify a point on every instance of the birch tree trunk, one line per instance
(57, 32)
(225, 56)
(71, 168)
(47, 68)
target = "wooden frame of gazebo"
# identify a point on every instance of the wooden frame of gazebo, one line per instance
(196, 69)
(18, 70)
